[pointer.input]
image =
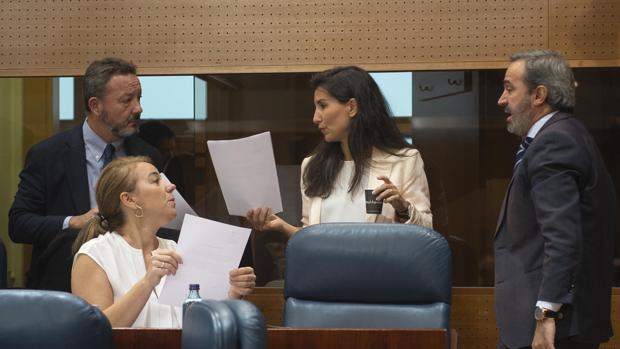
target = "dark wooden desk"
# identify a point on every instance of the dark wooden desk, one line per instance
(285, 338)
(280, 338)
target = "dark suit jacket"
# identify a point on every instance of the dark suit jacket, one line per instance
(554, 240)
(54, 185)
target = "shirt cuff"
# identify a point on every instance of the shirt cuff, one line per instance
(549, 305)
(65, 223)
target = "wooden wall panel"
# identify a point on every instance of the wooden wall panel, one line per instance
(60, 37)
(585, 29)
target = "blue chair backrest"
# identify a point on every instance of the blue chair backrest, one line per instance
(3, 265)
(225, 324)
(251, 325)
(50, 319)
(368, 275)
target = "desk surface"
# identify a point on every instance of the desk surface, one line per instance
(285, 338)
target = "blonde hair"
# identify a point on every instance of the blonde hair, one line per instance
(116, 177)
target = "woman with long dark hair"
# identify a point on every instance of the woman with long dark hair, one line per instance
(362, 149)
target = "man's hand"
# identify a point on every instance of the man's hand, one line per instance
(544, 334)
(79, 222)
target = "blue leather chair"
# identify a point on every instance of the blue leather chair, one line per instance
(367, 275)
(3, 264)
(50, 319)
(229, 324)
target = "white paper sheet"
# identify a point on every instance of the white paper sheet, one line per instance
(246, 171)
(209, 251)
(182, 208)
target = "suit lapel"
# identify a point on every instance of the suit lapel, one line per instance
(315, 210)
(75, 166)
(555, 118)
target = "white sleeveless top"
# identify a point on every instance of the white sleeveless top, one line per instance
(342, 206)
(124, 266)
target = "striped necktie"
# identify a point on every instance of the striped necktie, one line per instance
(108, 154)
(522, 148)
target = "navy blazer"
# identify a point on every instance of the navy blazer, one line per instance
(554, 240)
(54, 185)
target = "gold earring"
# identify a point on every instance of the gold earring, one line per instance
(140, 214)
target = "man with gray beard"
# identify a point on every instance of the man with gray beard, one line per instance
(554, 238)
(56, 193)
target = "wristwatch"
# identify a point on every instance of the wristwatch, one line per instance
(541, 313)
(404, 214)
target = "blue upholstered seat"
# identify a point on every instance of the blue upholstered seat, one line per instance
(3, 265)
(50, 319)
(368, 275)
(229, 324)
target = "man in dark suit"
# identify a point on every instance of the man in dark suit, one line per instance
(554, 240)
(56, 196)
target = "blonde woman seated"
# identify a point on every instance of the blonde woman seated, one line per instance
(362, 148)
(120, 261)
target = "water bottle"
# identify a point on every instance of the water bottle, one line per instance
(193, 296)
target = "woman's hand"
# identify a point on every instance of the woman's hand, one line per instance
(262, 219)
(242, 282)
(163, 262)
(388, 192)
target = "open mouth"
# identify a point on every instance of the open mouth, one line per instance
(509, 115)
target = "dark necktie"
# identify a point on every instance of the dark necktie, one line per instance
(522, 148)
(108, 154)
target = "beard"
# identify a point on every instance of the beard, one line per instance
(119, 129)
(520, 119)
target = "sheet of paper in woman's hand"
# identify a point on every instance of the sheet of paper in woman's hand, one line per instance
(209, 251)
(246, 171)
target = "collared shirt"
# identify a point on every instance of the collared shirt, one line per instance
(94, 146)
(532, 133)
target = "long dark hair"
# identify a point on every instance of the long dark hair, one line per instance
(373, 126)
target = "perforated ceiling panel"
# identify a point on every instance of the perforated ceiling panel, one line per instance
(60, 37)
(586, 29)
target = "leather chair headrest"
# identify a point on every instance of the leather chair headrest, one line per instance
(51, 319)
(368, 263)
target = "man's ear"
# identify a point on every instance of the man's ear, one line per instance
(94, 105)
(352, 107)
(540, 95)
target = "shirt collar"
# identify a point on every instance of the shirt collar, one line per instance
(539, 124)
(96, 143)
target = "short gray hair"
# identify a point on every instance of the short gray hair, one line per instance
(100, 72)
(550, 69)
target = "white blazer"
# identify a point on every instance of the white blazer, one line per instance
(405, 171)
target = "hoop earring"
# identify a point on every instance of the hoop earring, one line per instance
(140, 214)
